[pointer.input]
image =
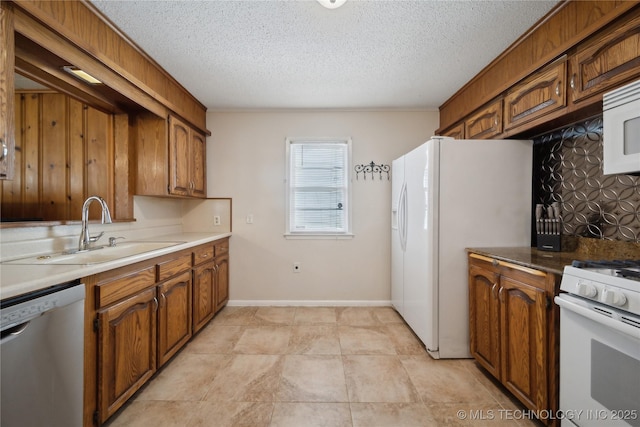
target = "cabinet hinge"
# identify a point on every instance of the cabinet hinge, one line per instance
(96, 324)
(548, 302)
(96, 417)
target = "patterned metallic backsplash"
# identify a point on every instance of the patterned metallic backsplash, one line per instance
(569, 171)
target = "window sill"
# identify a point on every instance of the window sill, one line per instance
(319, 236)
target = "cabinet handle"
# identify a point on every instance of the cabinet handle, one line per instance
(494, 290)
(501, 294)
(156, 301)
(572, 82)
(164, 299)
(558, 89)
(5, 149)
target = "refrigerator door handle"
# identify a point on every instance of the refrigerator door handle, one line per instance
(402, 217)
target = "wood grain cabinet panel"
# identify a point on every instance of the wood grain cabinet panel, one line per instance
(187, 157)
(540, 94)
(512, 329)
(484, 318)
(524, 343)
(197, 168)
(607, 60)
(171, 157)
(485, 123)
(222, 281)
(174, 315)
(127, 350)
(456, 131)
(204, 294)
(7, 109)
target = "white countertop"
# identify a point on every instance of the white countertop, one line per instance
(18, 279)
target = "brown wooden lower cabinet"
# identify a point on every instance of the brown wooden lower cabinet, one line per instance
(139, 316)
(513, 329)
(222, 281)
(126, 349)
(174, 315)
(204, 298)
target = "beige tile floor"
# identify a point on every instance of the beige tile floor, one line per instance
(316, 366)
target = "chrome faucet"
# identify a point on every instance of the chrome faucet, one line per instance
(85, 238)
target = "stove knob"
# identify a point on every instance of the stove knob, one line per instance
(586, 290)
(611, 297)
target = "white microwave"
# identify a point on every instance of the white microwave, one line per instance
(621, 130)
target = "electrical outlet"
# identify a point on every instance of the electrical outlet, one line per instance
(297, 266)
(216, 220)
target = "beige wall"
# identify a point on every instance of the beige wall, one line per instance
(246, 161)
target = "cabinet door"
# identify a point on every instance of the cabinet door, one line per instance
(204, 303)
(537, 96)
(486, 123)
(174, 315)
(456, 132)
(484, 318)
(198, 164)
(127, 349)
(524, 342)
(222, 281)
(179, 143)
(609, 59)
(7, 112)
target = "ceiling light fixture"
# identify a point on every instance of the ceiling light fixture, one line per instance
(332, 4)
(82, 75)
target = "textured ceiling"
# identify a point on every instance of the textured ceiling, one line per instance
(262, 54)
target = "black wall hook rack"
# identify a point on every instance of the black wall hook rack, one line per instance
(372, 168)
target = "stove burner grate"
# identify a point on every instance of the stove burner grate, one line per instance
(613, 264)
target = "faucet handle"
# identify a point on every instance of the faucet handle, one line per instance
(112, 241)
(95, 238)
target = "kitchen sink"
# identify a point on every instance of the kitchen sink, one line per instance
(95, 255)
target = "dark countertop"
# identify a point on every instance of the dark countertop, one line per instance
(554, 262)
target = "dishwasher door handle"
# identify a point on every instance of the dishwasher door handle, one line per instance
(11, 333)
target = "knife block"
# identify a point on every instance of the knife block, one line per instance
(549, 242)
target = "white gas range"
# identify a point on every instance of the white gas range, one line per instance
(600, 344)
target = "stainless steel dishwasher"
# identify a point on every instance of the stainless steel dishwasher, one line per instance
(41, 353)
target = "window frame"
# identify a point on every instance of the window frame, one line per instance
(291, 234)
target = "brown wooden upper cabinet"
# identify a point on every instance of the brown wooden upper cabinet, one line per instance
(538, 95)
(186, 159)
(606, 60)
(171, 158)
(456, 132)
(485, 123)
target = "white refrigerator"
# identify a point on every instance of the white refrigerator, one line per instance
(448, 195)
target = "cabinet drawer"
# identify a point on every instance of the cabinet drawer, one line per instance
(456, 132)
(173, 266)
(537, 96)
(607, 60)
(121, 287)
(221, 247)
(486, 123)
(202, 254)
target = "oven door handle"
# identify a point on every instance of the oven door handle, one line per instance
(615, 324)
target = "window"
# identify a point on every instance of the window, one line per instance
(318, 193)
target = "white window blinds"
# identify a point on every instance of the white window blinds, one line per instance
(318, 187)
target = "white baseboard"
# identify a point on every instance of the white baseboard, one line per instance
(308, 303)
